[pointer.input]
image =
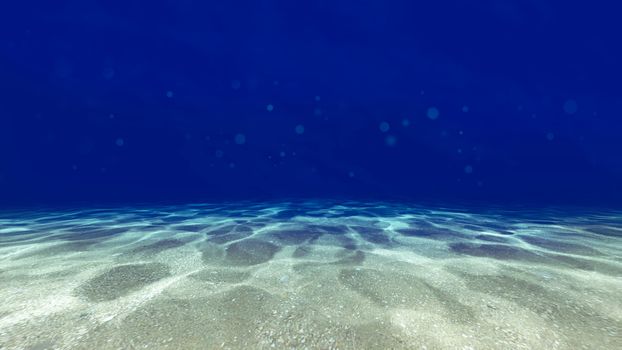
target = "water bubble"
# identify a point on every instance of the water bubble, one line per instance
(405, 122)
(465, 109)
(317, 98)
(119, 142)
(570, 106)
(468, 169)
(63, 69)
(219, 153)
(108, 73)
(550, 136)
(384, 126)
(351, 174)
(390, 140)
(432, 113)
(282, 154)
(235, 84)
(169, 94)
(270, 108)
(240, 139)
(300, 129)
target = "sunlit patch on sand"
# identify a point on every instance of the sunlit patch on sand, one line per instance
(310, 275)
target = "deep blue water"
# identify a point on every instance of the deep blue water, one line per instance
(498, 101)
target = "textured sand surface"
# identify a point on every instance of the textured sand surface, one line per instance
(315, 275)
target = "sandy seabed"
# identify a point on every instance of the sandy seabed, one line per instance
(310, 275)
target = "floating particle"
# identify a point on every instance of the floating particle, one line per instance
(405, 122)
(235, 84)
(432, 113)
(63, 69)
(252, 84)
(108, 73)
(317, 112)
(219, 153)
(468, 169)
(270, 108)
(317, 98)
(300, 129)
(465, 109)
(282, 154)
(231, 165)
(169, 94)
(240, 139)
(119, 142)
(384, 126)
(351, 174)
(570, 106)
(550, 136)
(390, 140)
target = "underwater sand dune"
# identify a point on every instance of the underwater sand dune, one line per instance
(315, 275)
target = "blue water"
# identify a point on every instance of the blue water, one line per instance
(491, 101)
(327, 174)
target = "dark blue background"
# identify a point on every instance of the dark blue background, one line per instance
(78, 77)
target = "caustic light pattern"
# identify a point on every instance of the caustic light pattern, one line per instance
(310, 275)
